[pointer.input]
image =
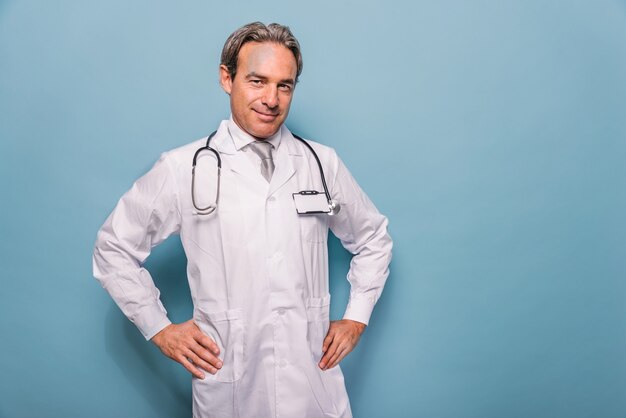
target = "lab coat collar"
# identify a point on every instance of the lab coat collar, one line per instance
(241, 138)
(224, 144)
(241, 164)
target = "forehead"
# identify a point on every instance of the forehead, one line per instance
(268, 59)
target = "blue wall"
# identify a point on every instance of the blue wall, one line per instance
(492, 134)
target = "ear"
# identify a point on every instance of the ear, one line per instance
(225, 79)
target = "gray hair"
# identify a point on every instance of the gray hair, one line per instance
(258, 32)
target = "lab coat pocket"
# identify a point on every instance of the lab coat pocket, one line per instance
(317, 310)
(318, 321)
(226, 328)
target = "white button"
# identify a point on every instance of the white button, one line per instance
(283, 363)
(271, 199)
(281, 311)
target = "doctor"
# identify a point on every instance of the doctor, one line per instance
(260, 343)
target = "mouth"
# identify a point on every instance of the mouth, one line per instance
(265, 116)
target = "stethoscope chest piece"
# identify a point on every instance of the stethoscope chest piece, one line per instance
(334, 206)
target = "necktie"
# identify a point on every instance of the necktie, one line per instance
(264, 151)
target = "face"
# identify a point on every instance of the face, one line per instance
(261, 91)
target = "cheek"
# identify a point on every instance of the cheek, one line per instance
(243, 96)
(286, 100)
(252, 100)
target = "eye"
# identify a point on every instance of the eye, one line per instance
(256, 82)
(285, 87)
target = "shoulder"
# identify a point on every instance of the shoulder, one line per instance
(325, 153)
(184, 153)
(180, 159)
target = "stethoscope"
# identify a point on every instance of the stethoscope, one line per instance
(333, 206)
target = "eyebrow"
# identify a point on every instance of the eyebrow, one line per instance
(255, 75)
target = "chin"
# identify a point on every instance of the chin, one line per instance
(265, 132)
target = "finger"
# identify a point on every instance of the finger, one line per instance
(190, 367)
(206, 356)
(333, 357)
(199, 362)
(327, 341)
(329, 353)
(207, 342)
(341, 353)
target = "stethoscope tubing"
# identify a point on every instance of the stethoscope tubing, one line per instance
(207, 210)
(211, 208)
(319, 164)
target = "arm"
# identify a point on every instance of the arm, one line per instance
(144, 217)
(362, 231)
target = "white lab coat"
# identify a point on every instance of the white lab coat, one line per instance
(258, 272)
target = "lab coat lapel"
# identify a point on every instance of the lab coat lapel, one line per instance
(237, 162)
(241, 164)
(284, 159)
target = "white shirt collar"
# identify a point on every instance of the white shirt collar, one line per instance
(241, 138)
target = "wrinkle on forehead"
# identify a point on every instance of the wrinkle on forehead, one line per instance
(269, 59)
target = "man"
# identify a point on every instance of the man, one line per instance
(260, 343)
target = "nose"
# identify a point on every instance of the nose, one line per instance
(270, 96)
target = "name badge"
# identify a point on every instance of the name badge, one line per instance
(310, 202)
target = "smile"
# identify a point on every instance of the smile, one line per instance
(267, 117)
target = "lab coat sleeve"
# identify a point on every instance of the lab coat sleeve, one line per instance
(362, 231)
(145, 216)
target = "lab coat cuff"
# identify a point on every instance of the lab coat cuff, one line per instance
(360, 310)
(152, 319)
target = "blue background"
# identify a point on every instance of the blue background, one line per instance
(491, 133)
